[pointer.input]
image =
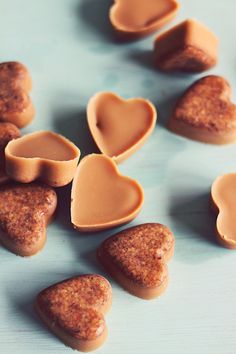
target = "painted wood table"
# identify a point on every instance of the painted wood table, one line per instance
(71, 53)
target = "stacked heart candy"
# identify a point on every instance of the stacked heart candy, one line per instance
(101, 198)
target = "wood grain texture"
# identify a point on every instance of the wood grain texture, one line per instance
(68, 47)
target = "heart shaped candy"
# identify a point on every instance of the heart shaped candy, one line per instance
(8, 131)
(101, 197)
(205, 112)
(42, 155)
(136, 18)
(223, 201)
(119, 127)
(188, 47)
(15, 104)
(25, 211)
(136, 258)
(74, 310)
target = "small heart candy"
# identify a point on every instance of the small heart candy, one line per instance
(101, 197)
(74, 310)
(137, 18)
(223, 202)
(136, 258)
(205, 112)
(119, 127)
(42, 155)
(25, 211)
(15, 104)
(8, 132)
(188, 47)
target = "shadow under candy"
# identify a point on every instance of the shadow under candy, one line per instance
(95, 15)
(191, 215)
(73, 125)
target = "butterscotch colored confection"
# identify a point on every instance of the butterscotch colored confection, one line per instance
(74, 310)
(205, 112)
(188, 47)
(44, 156)
(15, 104)
(8, 131)
(223, 202)
(119, 127)
(101, 197)
(25, 211)
(136, 18)
(136, 258)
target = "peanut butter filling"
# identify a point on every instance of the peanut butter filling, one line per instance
(44, 145)
(42, 155)
(142, 16)
(119, 127)
(223, 195)
(101, 197)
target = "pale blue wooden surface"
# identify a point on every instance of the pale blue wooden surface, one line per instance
(70, 52)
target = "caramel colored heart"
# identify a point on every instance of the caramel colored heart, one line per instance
(74, 310)
(25, 211)
(15, 104)
(136, 18)
(42, 155)
(136, 258)
(101, 197)
(119, 127)
(205, 112)
(8, 132)
(223, 201)
(189, 47)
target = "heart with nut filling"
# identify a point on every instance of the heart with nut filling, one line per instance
(74, 310)
(101, 197)
(25, 211)
(136, 18)
(119, 127)
(8, 131)
(15, 104)
(205, 112)
(136, 258)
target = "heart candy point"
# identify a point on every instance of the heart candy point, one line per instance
(136, 258)
(223, 197)
(74, 310)
(101, 197)
(137, 18)
(119, 127)
(25, 211)
(15, 104)
(205, 112)
(42, 155)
